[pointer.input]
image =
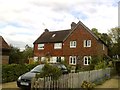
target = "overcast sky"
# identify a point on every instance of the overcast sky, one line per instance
(22, 21)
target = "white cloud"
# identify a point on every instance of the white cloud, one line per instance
(22, 21)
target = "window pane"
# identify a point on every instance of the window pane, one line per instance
(71, 60)
(57, 45)
(40, 46)
(85, 61)
(74, 61)
(72, 44)
(89, 43)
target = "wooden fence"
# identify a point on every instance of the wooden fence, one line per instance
(71, 80)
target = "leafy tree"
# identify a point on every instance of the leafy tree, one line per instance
(15, 55)
(95, 31)
(27, 53)
(114, 33)
(49, 70)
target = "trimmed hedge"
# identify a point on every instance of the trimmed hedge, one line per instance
(11, 72)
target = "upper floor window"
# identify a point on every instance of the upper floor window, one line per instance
(73, 44)
(87, 43)
(57, 45)
(87, 60)
(72, 60)
(40, 46)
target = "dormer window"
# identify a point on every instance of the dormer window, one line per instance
(53, 35)
(40, 46)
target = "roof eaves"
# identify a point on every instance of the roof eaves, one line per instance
(88, 30)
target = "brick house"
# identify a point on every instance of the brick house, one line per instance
(4, 51)
(76, 45)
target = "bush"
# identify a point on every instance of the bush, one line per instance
(11, 72)
(100, 65)
(49, 70)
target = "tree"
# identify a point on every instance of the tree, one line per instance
(27, 53)
(114, 33)
(15, 55)
(95, 31)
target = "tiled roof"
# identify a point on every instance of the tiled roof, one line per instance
(3, 43)
(62, 35)
(54, 36)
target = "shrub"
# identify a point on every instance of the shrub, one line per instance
(100, 65)
(67, 65)
(49, 70)
(11, 72)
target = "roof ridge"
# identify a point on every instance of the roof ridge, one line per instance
(60, 30)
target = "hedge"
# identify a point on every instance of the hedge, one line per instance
(11, 72)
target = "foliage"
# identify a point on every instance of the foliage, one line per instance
(67, 65)
(18, 57)
(87, 85)
(95, 31)
(114, 33)
(15, 55)
(27, 53)
(11, 72)
(100, 65)
(49, 70)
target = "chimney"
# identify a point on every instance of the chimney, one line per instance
(73, 24)
(46, 30)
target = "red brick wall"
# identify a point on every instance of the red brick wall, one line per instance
(48, 48)
(79, 34)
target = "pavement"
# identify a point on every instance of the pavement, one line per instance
(114, 82)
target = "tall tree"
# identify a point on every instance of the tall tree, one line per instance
(95, 31)
(27, 53)
(114, 33)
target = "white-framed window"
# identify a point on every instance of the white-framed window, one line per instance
(57, 45)
(87, 43)
(103, 47)
(40, 46)
(87, 60)
(43, 59)
(73, 44)
(72, 60)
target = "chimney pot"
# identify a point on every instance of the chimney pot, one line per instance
(73, 24)
(46, 30)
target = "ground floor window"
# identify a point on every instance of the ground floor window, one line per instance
(56, 59)
(87, 60)
(72, 60)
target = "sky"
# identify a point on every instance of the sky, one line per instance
(23, 21)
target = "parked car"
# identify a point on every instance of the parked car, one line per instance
(25, 79)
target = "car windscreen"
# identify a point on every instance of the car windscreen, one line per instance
(37, 69)
(63, 66)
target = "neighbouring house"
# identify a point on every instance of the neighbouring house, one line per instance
(76, 45)
(4, 51)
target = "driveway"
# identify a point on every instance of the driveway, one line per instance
(114, 82)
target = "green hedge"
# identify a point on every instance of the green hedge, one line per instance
(11, 72)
